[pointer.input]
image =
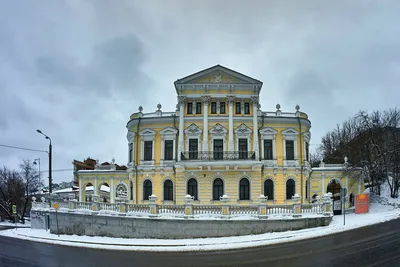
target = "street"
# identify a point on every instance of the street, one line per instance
(377, 245)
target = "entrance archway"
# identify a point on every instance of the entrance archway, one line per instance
(334, 187)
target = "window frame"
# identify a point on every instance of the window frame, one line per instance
(246, 108)
(289, 149)
(244, 189)
(169, 150)
(222, 110)
(290, 187)
(189, 109)
(217, 188)
(147, 188)
(198, 108)
(192, 187)
(168, 193)
(238, 108)
(213, 107)
(148, 151)
(267, 189)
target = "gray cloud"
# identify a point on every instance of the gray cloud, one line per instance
(78, 69)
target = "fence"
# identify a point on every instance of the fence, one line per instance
(193, 210)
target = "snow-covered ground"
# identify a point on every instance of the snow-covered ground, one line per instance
(10, 224)
(378, 213)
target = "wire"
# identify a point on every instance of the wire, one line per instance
(23, 148)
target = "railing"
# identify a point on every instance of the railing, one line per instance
(83, 205)
(171, 209)
(137, 208)
(311, 208)
(280, 209)
(206, 209)
(243, 210)
(218, 155)
(109, 206)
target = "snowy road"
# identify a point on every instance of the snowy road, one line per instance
(376, 245)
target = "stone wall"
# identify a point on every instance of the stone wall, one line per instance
(133, 227)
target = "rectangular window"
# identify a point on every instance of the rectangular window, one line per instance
(246, 108)
(198, 108)
(213, 107)
(189, 108)
(307, 151)
(168, 150)
(130, 152)
(193, 148)
(222, 109)
(238, 108)
(289, 150)
(218, 149)
(268, 149)
(243, 148)
(148, 150)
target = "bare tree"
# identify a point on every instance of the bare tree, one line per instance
(11, 191)
(32, 184)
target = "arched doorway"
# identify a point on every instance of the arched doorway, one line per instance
(87, 192)
(103, 191)
(334, 187)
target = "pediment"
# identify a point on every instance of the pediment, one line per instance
(290, 131)
(193, 129)
(243, 129)
(218, 129)
(168, 131)
(268, 131)
(218, 74)
(147, 131)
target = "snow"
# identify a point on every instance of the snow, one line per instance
(378, 213)
(385, 195)
(10, 224)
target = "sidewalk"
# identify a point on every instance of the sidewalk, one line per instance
(378, 213)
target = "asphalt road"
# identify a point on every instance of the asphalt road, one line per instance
(377, 245)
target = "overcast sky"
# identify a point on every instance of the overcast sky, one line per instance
(77, 69)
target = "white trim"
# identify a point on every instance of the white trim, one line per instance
(193, 132)
(167, 134)
(242, 132)
(269, 133)
(147, 135)
(218, 132)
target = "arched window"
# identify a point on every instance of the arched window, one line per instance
(168, 190)
(269, 189)
(218, 189)
(192, 188)
(147, 189)
(290, 188)
(244, 189)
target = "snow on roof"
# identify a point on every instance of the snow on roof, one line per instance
(88, 188)
(102, 188)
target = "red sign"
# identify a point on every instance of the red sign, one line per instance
(362, 203)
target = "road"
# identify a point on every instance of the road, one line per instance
(377, 245)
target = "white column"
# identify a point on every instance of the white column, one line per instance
(323, 185)
(274, 148)
(80, 190)
(230, 100)
(162, 150)
(173, 152)
(255, 126)
(112, 191)
(182, 100)
(205, 100)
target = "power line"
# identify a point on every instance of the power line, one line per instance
(24, 148)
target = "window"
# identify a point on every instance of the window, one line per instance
(192, 188)
(222, 108)
(289, 150)
(218, 189)
(131, 186)
(193, 148)
(290, 189)
(269, 189)
(168, 150)
(148, 150)
(198, 108)
(218, 149)
(168, 190)
(130, 152)
(243, 148)
(238, 111)
(268, 155)
(244, 189)
(147, 189)
(307, 151)
(213, 107)
(246, 108)
(189, 108)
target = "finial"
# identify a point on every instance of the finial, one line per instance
(278, 106)
(297, 107)
(345, 159)
(159, 106)
(113, 161)
(140, 108)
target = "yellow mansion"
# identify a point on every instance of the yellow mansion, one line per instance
(218, 142)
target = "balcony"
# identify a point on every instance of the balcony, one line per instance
(218, 155)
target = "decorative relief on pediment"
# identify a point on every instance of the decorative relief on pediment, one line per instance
(218, 129)
(193, 129)
(217, 77)
(243, 129)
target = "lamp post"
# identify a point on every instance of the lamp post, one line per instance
(50, 147)
(37, 161)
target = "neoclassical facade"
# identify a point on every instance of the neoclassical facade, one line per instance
(217, 142)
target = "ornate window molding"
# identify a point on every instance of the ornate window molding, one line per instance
(291, 135)
(130, 136)
(193, 132)
(218, 132)
(168, 133)
(268, 133)
(147, 135)
(242, 131)
(306, 140)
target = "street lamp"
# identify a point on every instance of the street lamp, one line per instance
(50, 147)
(37, 161)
